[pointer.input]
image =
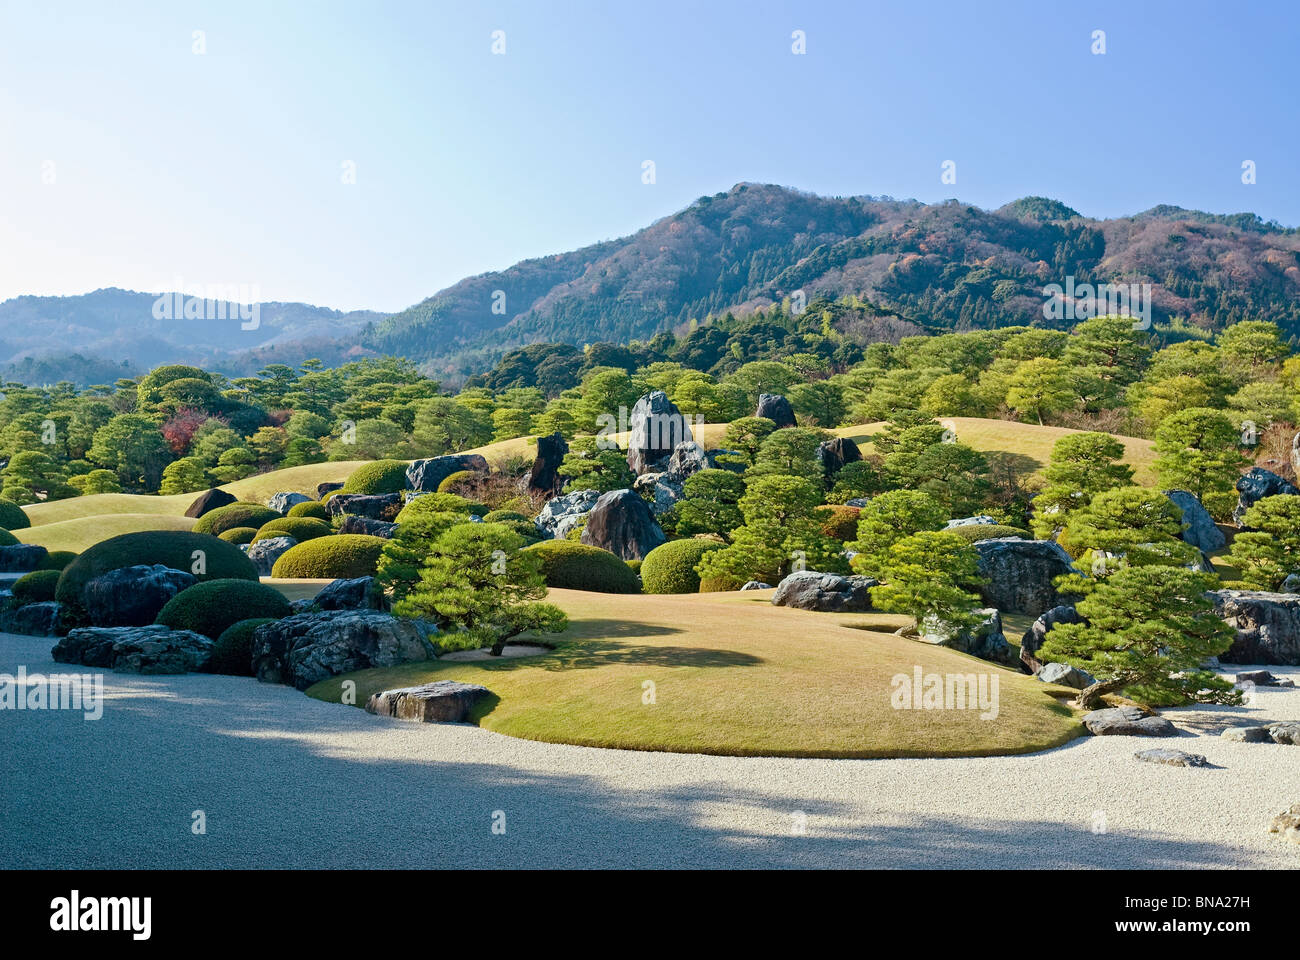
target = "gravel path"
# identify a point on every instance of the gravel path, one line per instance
(286, 781)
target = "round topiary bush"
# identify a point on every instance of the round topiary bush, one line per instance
(35, 587)
(58, 560)
(300, 528)
(504, 516)
(311, 508)
(839, 522)
(719, 584)
(635, 566)
(7, 539)
(234, 515)
(378, 476)
(232, 654)
(453, 482)
(344, 555)
(206, 557)
(577, 566)
(12, 516)
(210, 607)
(238, 535)
(971, 532)
(670, 567)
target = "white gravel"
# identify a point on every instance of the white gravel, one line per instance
(286, 781)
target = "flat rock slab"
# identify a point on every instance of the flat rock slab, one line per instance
(1247, 735)
(1127, 722)
(1173, 758)
(1288, 732)
(1287, 824)
(443, 701)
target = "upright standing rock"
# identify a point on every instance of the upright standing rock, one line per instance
(834, 454)
(1256, 484)
(621, 522)
(209, 501)
(776, 408)
(1018, 573)
(657, 426)
(544, 478)
(1201, 531)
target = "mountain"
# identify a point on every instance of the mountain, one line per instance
(943, 266)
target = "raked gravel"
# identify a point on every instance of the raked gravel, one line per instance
(287, 781)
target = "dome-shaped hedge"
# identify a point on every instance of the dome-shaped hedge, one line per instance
(12, 516)
(209, 608)
(7, 539)
(300, 528)
(972, 532)
(238, 535)
(309, 508)
(670, 567)
(57, 560)
(35, 587)
(503, 516)
(839, 522)
(232, 654)
(344, 555)
(719, 584)
(378, 476)
(453, 482)
(577, 566)
(234, 515)
(428, 503)
(178, 549)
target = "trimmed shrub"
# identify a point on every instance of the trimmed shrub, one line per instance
(234, 515)
(378, 476)
(719, 584)
(300, 528)
(232, 654)
(525, 528)
(171, 548)
(504, 516)
(427, 503)
(35, 587)
(209, 608)
(342, 556)
(311, 508)
(7, 539)
(238, 535)
(453, 481)
(12, 516)
(58, 560)
(670, 567)
(577, 566)
(972, 532)
(635, 565)
(839, 522)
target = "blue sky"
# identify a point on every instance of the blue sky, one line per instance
(225, 167)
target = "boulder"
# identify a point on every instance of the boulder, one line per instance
(355, 594)
(827, 592)
(209, 501)
(152, 649)
(776, 408)
(1291, 584)
(858, 502)
(425, 475)
(1127, 722)
(1247, 735)
(1066, 675)
(281, 502)
(1038, 630)
(834, 454)
(622, 523)
(1286, 732)
(1018, 573)
(660, 490)
(442, 701)
(329, 486)
(544, 478)
(982, 519)
(575, 505)
(1201, 531)
(32, 619)
(375, 506)
(264, 553)
(374, 528)
(132, 596)
(309, 647)
(1172, 758)
(1267, 625)
(22, 557)
(1287, 823)
(657, 427)
(1256, 484)
(1260, 678)
(756, 585)
(985, 640)
(688, 457)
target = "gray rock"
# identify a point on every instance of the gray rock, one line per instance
(756, 585)
(1127, 722)
(425, 475)
(442, 701)
(857, 502)
(264, 553)
(982, 519)
(688, 457)
(826, 592)
(364, 525)
(835, 453)
(1018, 573)
(1286, 732)
(1201, 531)
(375, 506)
(309, 647)
(656, 428)
(623, 524)
(1038, 630)
(1172, 758)
(1260, 678)
(281, 502)
(132, 596)
(1066, 675)
(208, 501)
(1247, 735)
(1256, 484)
(329, 486)
(22, 557)
(544, 478)
(1267, 625)
(32, 619)
(576, 504)
(1287, 823)
(661, 490)
(152, 649)
(776, 408)
(985, 640)
(1291, 584)
(356, 594)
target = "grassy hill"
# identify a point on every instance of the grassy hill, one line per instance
(734, 675)
(79, 533)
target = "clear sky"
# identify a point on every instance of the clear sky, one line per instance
(226, 166)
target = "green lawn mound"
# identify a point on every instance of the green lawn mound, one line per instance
(733, 675)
